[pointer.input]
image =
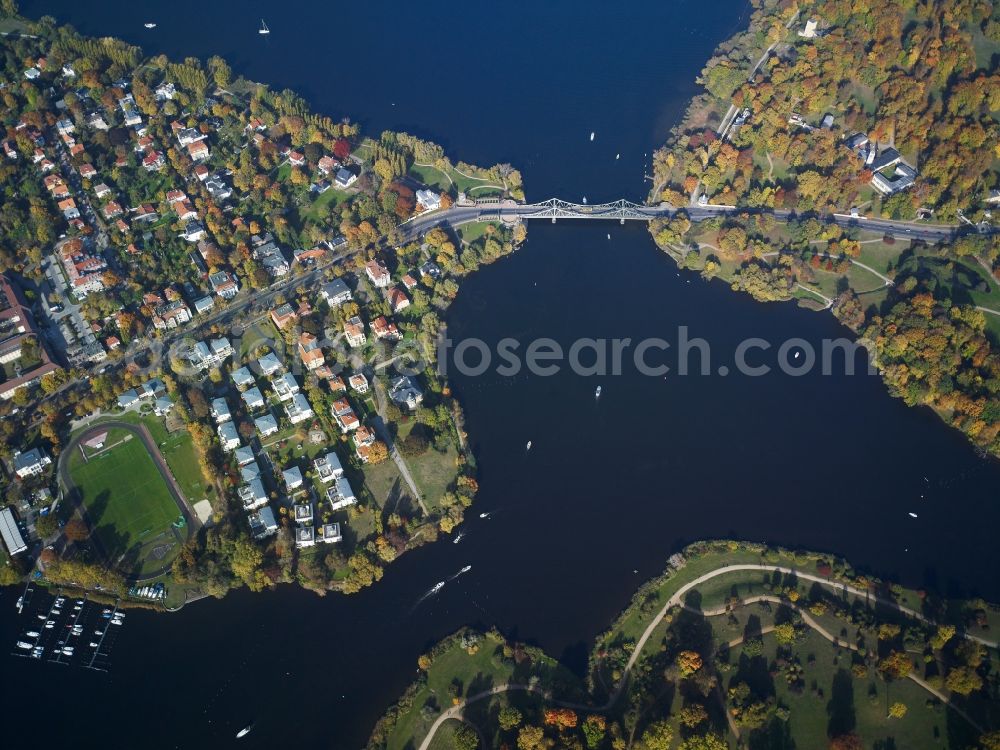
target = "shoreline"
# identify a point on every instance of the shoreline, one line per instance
(671, 588)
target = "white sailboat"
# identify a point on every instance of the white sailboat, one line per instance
(263, 28)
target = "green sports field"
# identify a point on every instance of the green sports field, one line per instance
(129, 506)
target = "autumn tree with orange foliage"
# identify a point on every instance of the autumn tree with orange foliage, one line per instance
(562, 718)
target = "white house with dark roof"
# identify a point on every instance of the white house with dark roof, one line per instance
(285, 386)
(128, 398)
(31, 463)
(262, 523)
(220, 410)
(341, 495)
(162, 406)
(253, 398)
(244, 455)
(293, 480)
(345, 178)
(249, 471)
(430, 200)
(252, 495)
(335, 292)
(203, 305)
(404, 392)
(228, 436)
(266, 425)
(269, 363)
(328, 468)
(243, 378)
(298, 410)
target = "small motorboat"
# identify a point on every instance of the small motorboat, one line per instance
(528, 446)
(592, 134)
(466, 569)
(437, 587)
(597, 393)
(244, 731)
(617, 157)
(32, 634)
(24, 644)
(484, 515)
(150, 25)
(912, 514)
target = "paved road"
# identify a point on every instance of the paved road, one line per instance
(459, 215)
(808, 620)
(144, 435)
(677, 600)
(383, 432)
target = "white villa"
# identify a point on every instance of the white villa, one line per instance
(328, 467)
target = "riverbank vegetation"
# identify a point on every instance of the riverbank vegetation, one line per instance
(799, 112)
(792, 649)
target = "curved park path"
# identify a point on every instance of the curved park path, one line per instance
(677, 600)
(143, 434)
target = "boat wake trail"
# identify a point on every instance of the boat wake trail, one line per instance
(427, 595)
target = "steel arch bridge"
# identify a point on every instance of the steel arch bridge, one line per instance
(620, 210)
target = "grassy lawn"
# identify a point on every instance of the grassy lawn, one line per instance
(11, 25)
(432, 177)
(433, 471)
(126, 500)
(474, 230)
(444, 738)
(177, 450)
(474, 673)
(319, 210)
(862, 703)
(472, 186)
(635, 620)
(381, 480)
(262, 332)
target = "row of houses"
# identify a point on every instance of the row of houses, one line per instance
(18, 333)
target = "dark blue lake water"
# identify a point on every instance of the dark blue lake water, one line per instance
(610, 487)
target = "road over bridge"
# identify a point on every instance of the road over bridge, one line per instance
(622, 211)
